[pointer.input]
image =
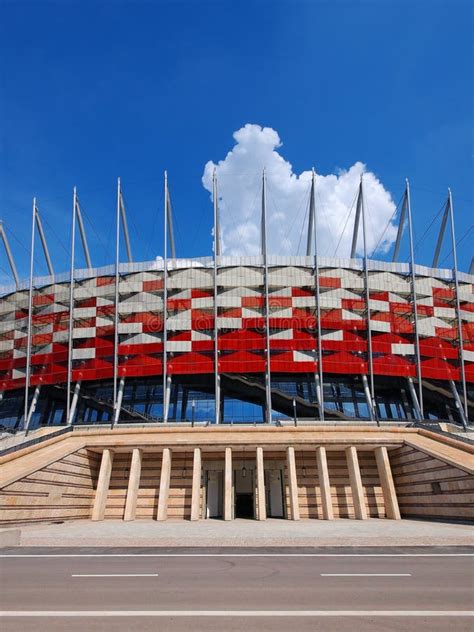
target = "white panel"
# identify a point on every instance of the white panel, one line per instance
(229, 323)
(445, 312)
(84, 312)
(84, 332)
(286, 334)
(303, 301)
(130, 328)
(83, 354)
(379, 325)
(179, 346)
(299, 356)
(403, 349)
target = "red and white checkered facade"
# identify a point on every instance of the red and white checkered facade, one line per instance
(241, 321)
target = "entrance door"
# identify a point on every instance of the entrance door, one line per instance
(244, 494)
(214, 487)
(274, 488)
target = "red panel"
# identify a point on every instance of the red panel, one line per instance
(153, 286)
(332, 282)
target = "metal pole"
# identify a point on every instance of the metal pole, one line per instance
(415, 301)
(367, 299)
(458, 303)
(193, 410)
(311, 220)
(116, 315)
(11, 261)
(125, 228)
(441, 235)
(75, 399)
(355, 233)
(268, 384)
(29, 322)
(414, 397)
(319, 386)
(71, 308)
(85, 245)
(458, 404)
(33, 405)
(396, 250)
(170, 227)
(44, 244)
(295, 419)
(217, 383)
(165, 299)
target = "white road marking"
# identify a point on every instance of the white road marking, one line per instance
(237, 613)
(33, 555)
(365, 574)
(118, 575)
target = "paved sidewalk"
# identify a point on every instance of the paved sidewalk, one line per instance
(248, 533)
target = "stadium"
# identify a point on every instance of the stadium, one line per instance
(292, 345)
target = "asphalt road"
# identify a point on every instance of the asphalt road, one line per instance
(223, 589)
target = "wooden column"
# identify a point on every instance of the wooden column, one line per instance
(164, 485)
(261, 504)
(292, 483)
(228, 484)
(103, 483)
(392, 510)
(133, 485)
(358, 498)
(324, 484)
(196, 491)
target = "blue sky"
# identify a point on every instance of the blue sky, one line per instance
(92, 91)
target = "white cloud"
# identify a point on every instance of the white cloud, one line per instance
(239, 177)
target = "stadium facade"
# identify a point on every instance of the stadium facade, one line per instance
(148, 353)
(274, 337)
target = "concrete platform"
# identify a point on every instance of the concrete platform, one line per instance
(245, 533)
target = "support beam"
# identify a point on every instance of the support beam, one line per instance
(71, 307)
(358, 497)
(415, 303)
(30, 318)
(167, 397)
(75, 399)
(370, 359)
(44, 243)
(401, 224)
(261, 502)
(228, 484)
(85, 245)
(118, 403)
(392, 510)
(414, 399)
(319, 374)
(100, 501)
(164, 485)
(133, 485)
(458, 306)
(368, 397)
(217, 252)
(125, 225)
(268, 382)
(170, 227)
(196, 489)
(458, 404)
(34, 403)
(292, 483)
(117, 299)
(8, 251)
(442, 230)
(324, 483)
(165, 300)
(355, 233)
